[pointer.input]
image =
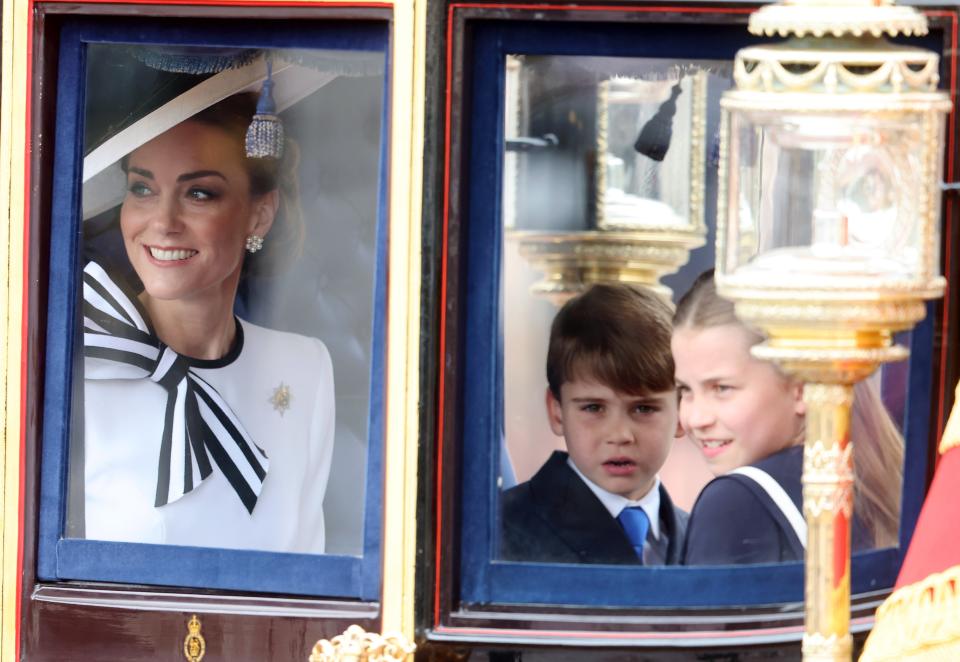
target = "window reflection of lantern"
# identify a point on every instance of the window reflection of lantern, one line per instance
(648, 118)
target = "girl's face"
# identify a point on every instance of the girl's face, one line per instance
(188, 211)
(736, 408)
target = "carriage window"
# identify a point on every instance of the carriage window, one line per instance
(589, 152)
(226, 353)
(605, 164)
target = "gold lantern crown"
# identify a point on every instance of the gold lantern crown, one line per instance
(837, 62)
(820, 18)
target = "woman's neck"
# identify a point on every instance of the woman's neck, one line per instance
(197, 328)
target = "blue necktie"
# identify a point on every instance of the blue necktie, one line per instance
(636, 524)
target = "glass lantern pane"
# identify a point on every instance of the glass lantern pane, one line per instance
(838, 195)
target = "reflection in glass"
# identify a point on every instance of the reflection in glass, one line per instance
(571, 163)
(640, 178)
(596, 143)
(196, 427)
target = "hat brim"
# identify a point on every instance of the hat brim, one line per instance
(103, 179)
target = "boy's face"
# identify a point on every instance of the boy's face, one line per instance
(618, 441)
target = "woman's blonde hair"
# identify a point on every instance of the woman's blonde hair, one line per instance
(878, 449)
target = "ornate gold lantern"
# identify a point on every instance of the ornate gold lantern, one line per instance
(828, 235)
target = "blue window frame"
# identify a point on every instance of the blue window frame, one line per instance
(61, 557)
(483, 578)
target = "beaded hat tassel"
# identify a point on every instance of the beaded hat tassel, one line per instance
(265, 134)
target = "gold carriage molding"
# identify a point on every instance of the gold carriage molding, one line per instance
(358, 645)
(354, 645)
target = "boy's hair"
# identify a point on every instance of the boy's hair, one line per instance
(618, 335)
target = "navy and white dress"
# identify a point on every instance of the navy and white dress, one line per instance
(738, 519)
(279, 388)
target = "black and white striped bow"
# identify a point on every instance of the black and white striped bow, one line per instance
(198, 423)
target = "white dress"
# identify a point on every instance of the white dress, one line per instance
(123, 420)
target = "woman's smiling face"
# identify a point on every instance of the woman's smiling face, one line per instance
(188, 211)
(736, 408)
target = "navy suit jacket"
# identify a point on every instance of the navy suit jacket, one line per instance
(734, 520)
(555, 518)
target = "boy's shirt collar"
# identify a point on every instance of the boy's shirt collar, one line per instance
(614, 503)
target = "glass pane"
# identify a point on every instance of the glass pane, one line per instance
(229, 298)
(827, 195)
(596, 145)
(641, 156)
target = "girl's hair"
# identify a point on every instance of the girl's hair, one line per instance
(878, 465)
(701, 308)
(285, 240)
(878, 452)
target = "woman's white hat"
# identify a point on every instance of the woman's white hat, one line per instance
(295, 75)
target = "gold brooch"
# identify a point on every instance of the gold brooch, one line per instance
(281, 398)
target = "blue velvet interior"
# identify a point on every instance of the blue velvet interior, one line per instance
(666, 586)
(201, 567)
(373, 516)
(62, 336)
(60, 558)
(916, 427)
(485, 580)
